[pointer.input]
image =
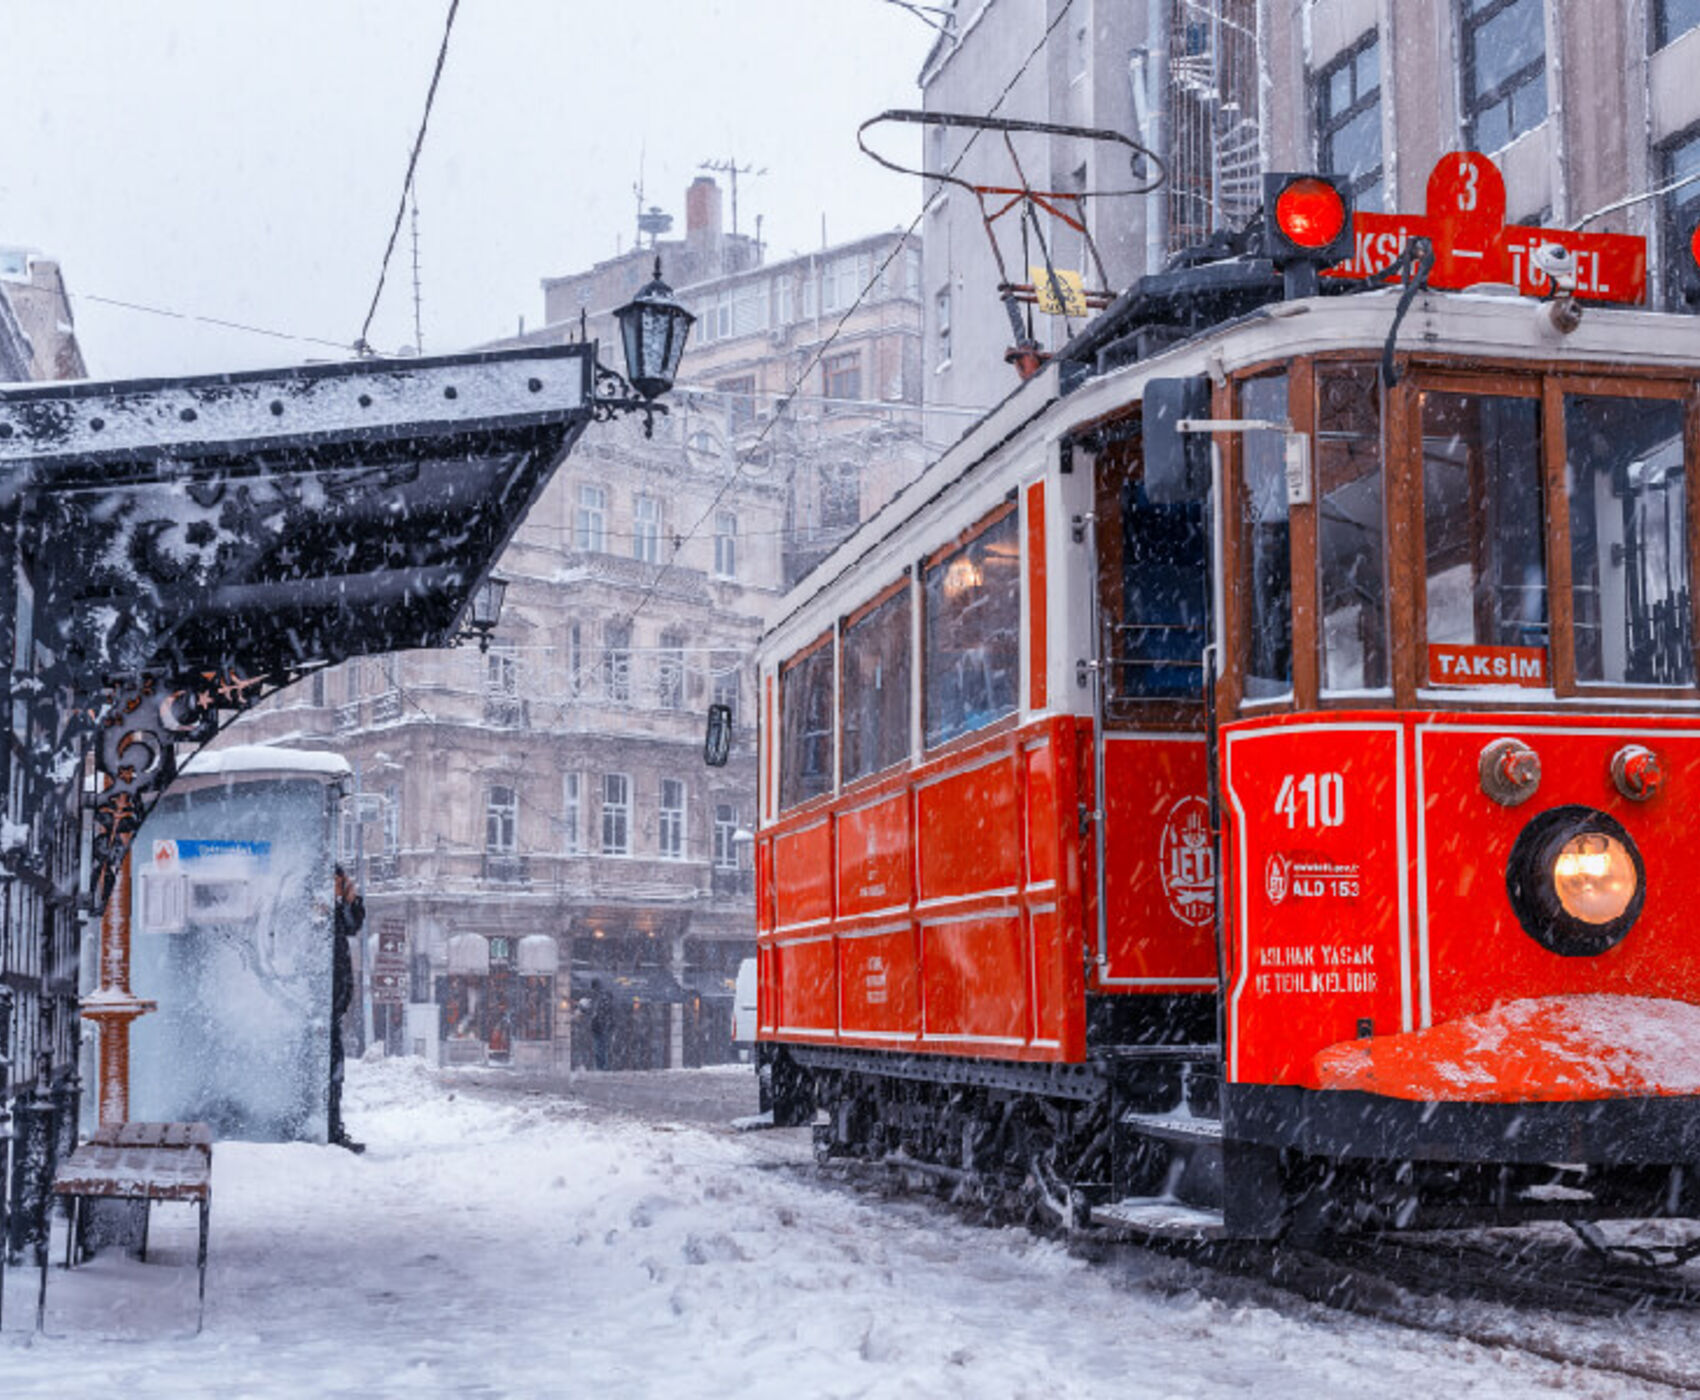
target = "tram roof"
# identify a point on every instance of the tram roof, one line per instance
(1028, 426)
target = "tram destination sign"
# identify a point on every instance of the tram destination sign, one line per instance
(1465, 221)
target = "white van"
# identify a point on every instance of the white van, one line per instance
(744, 1009)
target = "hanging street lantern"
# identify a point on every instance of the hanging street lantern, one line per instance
(485, 610)
(653, 330)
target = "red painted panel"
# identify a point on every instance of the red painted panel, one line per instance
(1312, 886)
(1043, 852)
(802, 874)
(880, 977)
(975, 975)
(1037, 658)
(1059, 979)
(806, 975)
(1478, 952)
(969, 834)
(873, 856)
(764, 887)
(1157, 861)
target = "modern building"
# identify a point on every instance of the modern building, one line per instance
(1588, 109)
(536, 819)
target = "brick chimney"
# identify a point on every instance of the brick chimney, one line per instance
(702, 219)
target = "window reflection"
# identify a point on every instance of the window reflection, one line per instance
(1350, 538)
(876, 688)
(805, 722)
(1484, 526)
(1268, 592)
(1628, 541)
(972, 640)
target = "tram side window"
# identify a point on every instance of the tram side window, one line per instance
(1628, 541)
(805, 724)
(875, 687)
(1267, 594)
(1351, 541)
(972, 636)
(1484, 528)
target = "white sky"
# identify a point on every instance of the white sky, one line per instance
(242, 160)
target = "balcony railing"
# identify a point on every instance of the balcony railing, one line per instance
(348, 716)
(386, 708)
(729, 884)
(506, 869)
(506, 712)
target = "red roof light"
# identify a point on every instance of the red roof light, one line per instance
(1694, 245)
(1310, 213)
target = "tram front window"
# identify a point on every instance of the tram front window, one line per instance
(1267, 594)
(1350, 537)
(1628, 541)
(1484, 533)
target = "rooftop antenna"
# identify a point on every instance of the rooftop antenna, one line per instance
(418, 333)
(732, 170)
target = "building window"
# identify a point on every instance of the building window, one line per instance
(972, 626)
(1348, 120)
(646, 528)
(501, 816)
(1681, 213)
(841, 376)
(318, 694)
(617, 661)
(725, 544)
(739, 396)
(672, 831)
(670, 672)
(941, 320)
(590, 525)
(572, 814)
(1672, 19)
(501, 671)
(1505, 71)
(616, 814)
(392, 819)
(845, 279)
(725, 832)
(726, 682)
(749, 308)
(787, 289)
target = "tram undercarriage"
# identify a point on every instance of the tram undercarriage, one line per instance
(1140, 1128)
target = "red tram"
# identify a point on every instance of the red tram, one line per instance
(1257, 765)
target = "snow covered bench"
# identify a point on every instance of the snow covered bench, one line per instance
(144, 1162)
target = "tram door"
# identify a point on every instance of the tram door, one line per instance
(1158, 910)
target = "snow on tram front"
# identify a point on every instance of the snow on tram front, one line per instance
(1249, 781)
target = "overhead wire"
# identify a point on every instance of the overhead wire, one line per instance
(407, 184)
(897, 246)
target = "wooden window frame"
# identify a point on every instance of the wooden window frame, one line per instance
(905, 584)
(996, 516)
(828, 638)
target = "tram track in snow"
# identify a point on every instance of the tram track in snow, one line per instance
(1537, 1293)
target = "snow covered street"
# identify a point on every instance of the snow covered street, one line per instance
(536, 1246)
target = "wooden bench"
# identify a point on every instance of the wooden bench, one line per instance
(144, 1162)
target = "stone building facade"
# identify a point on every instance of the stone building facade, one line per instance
(40, 928)
(535, 821)
(1582, 103)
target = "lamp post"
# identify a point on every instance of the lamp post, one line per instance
(485, 610)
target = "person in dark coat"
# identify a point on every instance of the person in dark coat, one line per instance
(348, 914)
(601, 1022)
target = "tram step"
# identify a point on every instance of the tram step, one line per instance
(1144, 1215)
(1187, 1131)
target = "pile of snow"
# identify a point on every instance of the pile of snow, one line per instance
(1541, 1049)
(500, 1247)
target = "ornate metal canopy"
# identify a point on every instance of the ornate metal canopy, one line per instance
(192, 545)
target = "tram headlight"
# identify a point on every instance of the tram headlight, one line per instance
(1595, 877)
(1576, 881)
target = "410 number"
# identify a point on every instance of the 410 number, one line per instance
(1313, 799)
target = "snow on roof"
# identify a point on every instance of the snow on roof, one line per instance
(263, 758)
